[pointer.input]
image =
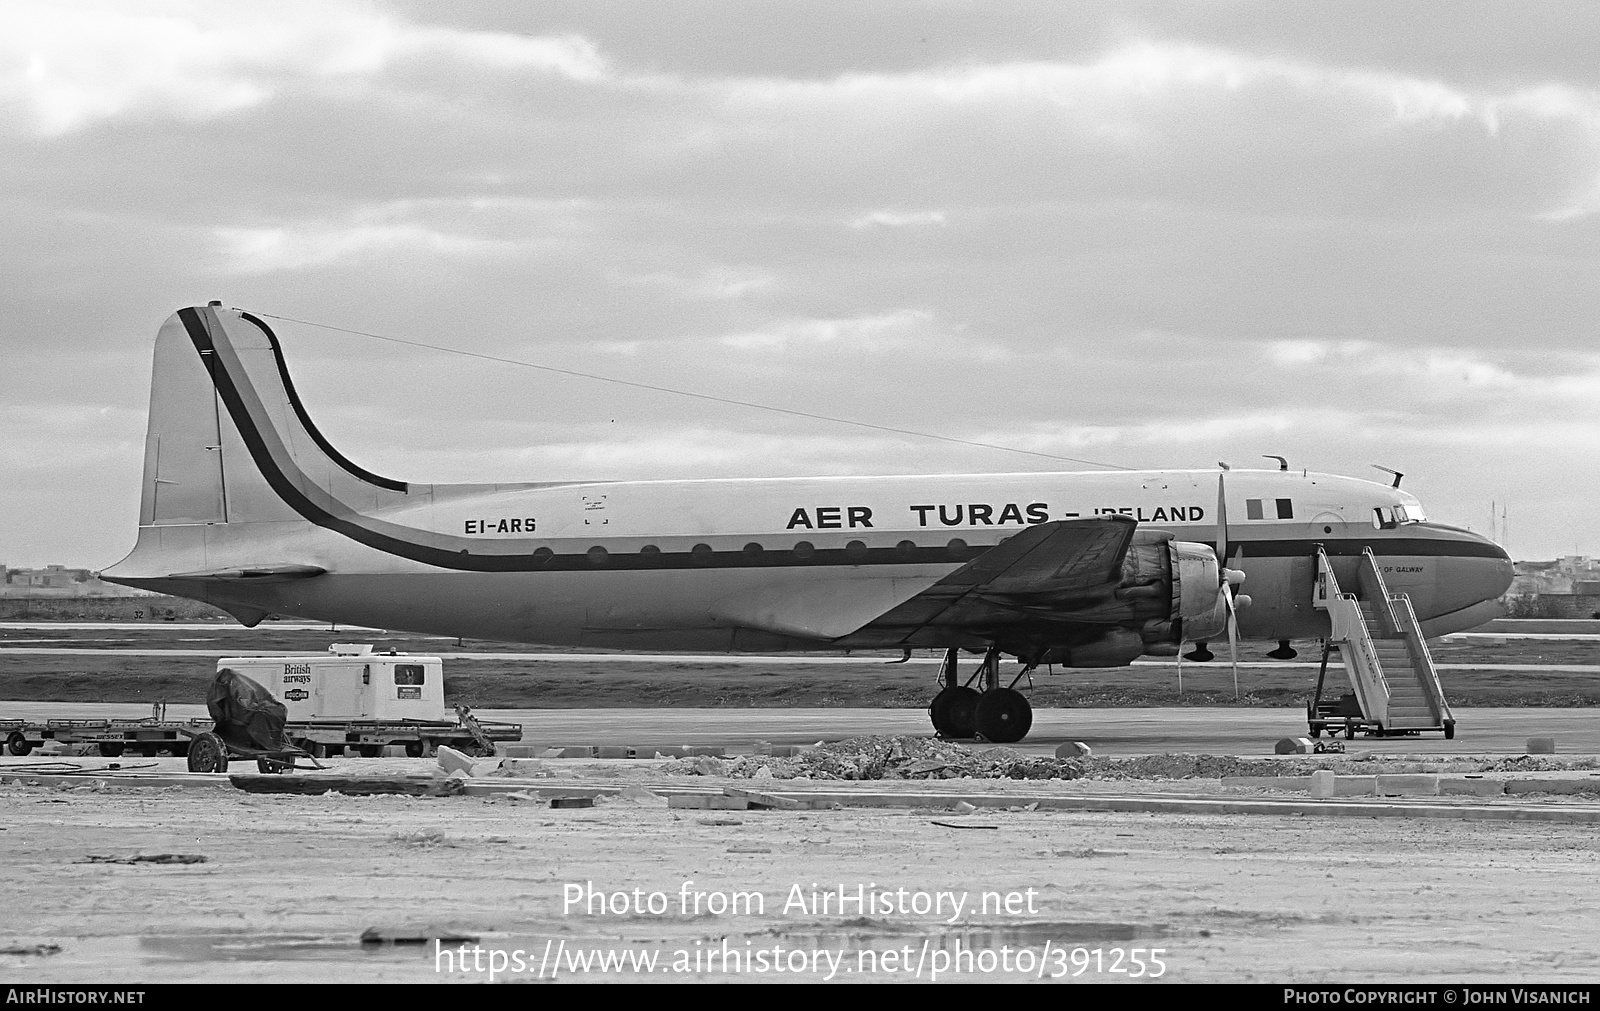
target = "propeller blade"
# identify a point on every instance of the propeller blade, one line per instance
(1233, 637)
(1222, 523)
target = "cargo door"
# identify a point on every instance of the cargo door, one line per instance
(342, 691)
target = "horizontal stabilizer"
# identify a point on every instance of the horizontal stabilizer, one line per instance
(257, 573)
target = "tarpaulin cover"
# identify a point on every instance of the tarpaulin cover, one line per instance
(246, 714)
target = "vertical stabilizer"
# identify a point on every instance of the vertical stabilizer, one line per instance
(235, 472)
(183, 446)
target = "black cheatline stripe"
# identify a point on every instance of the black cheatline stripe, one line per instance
(545, 560)
(306, 422)
(1381, 547)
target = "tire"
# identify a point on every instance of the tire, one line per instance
(1004, 715)
(371, 750)
(18, 745)
(268, 767)
(1316, 731)
(207, 753)
(414, 749)
(954, 712)
(110, 749)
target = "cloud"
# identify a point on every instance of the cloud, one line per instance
(901, 330)
(896, 219)
(712, 283)
(436, 229)
(71, 63)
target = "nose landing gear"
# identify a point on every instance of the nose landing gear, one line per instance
(1000, 715)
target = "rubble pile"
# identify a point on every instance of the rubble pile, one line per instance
(886, 757)
(1184, 766)
(912, 757)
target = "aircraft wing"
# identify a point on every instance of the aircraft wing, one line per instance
(1040, 570)
(1063, 565)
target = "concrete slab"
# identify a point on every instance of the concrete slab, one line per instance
(1407, 786)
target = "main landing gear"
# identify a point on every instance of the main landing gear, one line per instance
(1000, 715)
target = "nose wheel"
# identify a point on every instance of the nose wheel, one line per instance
(999, 715)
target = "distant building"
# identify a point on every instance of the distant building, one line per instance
(60, 581)
(1563, 575)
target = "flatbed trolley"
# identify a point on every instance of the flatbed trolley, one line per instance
(322, 739)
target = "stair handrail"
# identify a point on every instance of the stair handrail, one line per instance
(1377, 592)
(1421, 658)
(1355, 641)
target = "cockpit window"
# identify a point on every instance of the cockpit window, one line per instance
(1389, 517)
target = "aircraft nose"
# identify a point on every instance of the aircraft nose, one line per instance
(1475, 569)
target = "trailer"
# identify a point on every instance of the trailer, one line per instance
(155, 736)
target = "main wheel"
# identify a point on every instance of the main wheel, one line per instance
(1004, 715)
(954, 712)
(16, 744)
(207, 753)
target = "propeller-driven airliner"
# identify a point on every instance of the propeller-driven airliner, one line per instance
(246, 505)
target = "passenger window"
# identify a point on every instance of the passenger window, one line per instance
(1285, 509)
(408, 674)
(1252, 509)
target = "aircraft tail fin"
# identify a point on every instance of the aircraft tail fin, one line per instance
(234, 468)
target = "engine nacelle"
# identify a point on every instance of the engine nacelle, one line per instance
(1170, 593)
(1197, 599)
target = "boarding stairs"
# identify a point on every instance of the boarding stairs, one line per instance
(1380, 643)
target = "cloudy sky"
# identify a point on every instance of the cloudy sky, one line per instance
(1143, 234)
